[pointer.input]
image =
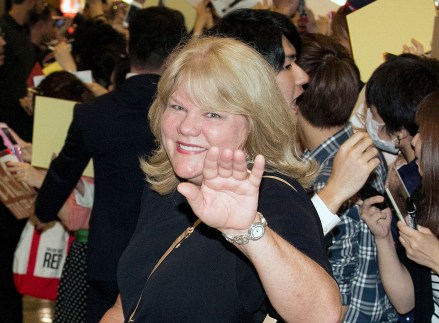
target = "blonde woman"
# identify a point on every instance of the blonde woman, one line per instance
(259, 248)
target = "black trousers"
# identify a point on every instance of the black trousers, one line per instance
(11, 306)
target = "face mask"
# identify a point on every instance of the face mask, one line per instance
(372, 129)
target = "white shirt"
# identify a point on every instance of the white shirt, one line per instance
(328, 219)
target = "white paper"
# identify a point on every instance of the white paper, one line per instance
(222, 7)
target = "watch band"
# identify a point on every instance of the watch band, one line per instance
(255, 232)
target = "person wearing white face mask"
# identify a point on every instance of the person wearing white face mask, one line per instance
(392, 94)
(373, 128)
(410, 271)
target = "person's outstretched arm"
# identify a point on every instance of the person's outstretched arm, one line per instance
(396, 279)
(299, 289)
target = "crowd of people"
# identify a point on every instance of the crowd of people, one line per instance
(239, 168)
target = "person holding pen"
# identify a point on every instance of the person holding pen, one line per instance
(410, 276)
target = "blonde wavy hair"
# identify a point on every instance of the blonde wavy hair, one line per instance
(226, 75)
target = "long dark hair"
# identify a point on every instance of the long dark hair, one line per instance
(427, 119)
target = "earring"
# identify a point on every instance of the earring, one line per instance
(399, 140)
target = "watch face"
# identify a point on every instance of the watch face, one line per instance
(257, 231)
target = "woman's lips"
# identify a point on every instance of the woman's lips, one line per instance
(189, 149)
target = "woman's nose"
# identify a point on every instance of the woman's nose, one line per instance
(191, 125)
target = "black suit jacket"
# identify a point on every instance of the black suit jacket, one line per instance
(113, 130)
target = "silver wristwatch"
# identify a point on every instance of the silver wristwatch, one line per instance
(255, 232)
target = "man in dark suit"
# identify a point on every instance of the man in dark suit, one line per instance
(113, 131)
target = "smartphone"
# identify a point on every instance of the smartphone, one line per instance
(395, 206)
(132, 9)
(9, 143)
(8, 139)
(368, 191)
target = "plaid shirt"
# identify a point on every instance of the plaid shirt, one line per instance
(353, 252)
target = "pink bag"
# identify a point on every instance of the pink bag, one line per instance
(78, 216)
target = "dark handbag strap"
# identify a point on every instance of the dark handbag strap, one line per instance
(280, 180)
(186, 233)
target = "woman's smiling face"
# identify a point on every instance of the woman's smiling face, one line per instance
(189, 131)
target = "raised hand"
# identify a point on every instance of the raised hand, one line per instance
(64, 57)
(228, 196)
(377, 220)
(353, 163)
(286, 7)
(416, 49)
(203, 19)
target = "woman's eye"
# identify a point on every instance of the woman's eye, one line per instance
(212, 115)
(177, 107)
(288, 67)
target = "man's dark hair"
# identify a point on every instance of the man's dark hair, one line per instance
(45, 15)
(98, 47)
(333, 84)
(154, 33)
(397, 86)
(261, 29)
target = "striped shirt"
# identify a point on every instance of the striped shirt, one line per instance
(353, 254)
(435, 288)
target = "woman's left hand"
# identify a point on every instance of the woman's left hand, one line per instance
(228, 196)
(421, 245)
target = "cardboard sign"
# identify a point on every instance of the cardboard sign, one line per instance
(51, 123)
(385, 26)
(435, 41)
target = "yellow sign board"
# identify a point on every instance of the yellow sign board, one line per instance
(52, 118)
(384, 26)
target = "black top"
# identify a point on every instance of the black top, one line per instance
(19, 61)
(207, 279)
(113, 131)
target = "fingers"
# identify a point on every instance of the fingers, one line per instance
(359, 144)
(226, 164)
(416, 49)
(401, 225)
(193, 195)
(257, 171)
(15, 167)
(363, 144)
(422, 229)
(210, 169)
(359, 139)
(371, 214)
(367, 203)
